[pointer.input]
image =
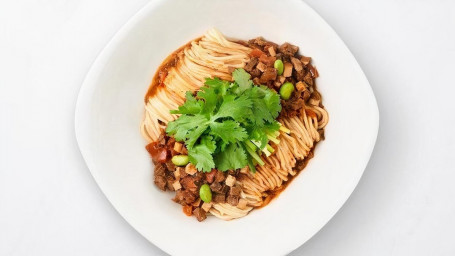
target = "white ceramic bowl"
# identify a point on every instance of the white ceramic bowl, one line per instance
(110, 106)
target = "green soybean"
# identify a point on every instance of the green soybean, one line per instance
(278, 65)
(205, 193)
(180, 160)
(286, 90)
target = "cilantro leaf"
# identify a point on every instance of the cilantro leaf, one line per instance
(239, 108)
(210, 97)
(234, 157)
(272, 101)
(225, 121)
(259, 133)
(208, 141)
(201, 157)
(266, 105)
(219, 85)
(228, 131)
(191, 105)
(194, 134)
(182, 126)
(242, 78)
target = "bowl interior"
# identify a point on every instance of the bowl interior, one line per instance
(110, 109)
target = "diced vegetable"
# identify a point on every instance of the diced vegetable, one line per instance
(230, 180)
(177, 185)
(180, 160)
(178, 147)
(206, 206)
(190, 169)
(279, 66)
(286, 90)
(205, 193)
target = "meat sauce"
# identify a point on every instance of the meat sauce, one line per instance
(163, 69)
(186, 184)
(300, 72)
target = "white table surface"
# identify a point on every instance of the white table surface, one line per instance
(403, 205)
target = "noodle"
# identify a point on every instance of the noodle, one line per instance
(212, 56)
(215, 56)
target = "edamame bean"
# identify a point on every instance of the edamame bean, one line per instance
(278, 65)
(205, 193)
(286, 90)
(180, 160)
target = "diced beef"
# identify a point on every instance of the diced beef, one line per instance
(225, 189)
(288, 49)
(306, 95)
(185, 197)
(190, 197)
(199, 178)
(219, 198)
(197, 202)
(251, 64)
(295, 103)
(300, 86)
(216, 187)
(255, 73)
(268, 75)
(183, 174)
(188, 210)
(279, 56)
(233, 172)
(210, 177)
(170, 142)
(261, 67)
(160, 182)
(199, 214)
(271, 50)
(297, 64)
(233, 200)
(308, 79)
(235, 191)
(170, 166)
(267, 60)
(169, 182)
(188, 183)
(271, 45)
(314, 71)
(260, 41)
(160, 170)
(305, 60)
(315, 98)
(299, 75)
(256, 53)
(180, 197)
(219, 177)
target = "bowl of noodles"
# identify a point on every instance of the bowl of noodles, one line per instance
(208, 130)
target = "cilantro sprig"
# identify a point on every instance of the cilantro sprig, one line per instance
(227, 125)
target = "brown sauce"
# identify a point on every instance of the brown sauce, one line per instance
(163, 69)
(301, 165)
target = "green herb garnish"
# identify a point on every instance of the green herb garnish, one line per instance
(228, 124)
